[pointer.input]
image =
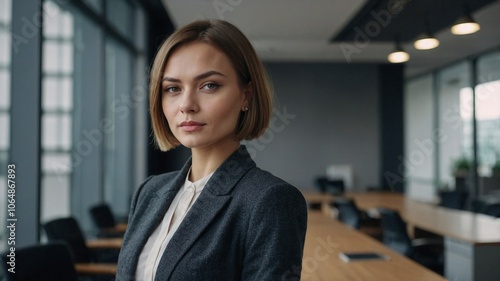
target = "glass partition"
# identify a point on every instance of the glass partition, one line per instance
(488, 123)
(441, 144)
(418, 163)
(455, 127)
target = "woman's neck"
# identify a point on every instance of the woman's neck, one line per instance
(206, 161)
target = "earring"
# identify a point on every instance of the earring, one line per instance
(245, 108)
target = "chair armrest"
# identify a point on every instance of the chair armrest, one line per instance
(427, 242)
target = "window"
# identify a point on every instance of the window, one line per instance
(5, 16)
(57, 111)
(455, 125)
(488, 123)
(439, 129)
(418, 163)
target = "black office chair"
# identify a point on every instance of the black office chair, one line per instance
(492, 209)
(453, 199)
(348, 212)
(351, 215)
(50, 262)
(68, 231)
(427, 252)
(334, 187)
(104, 220)
(314, 206)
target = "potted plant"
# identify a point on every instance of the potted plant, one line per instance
(461, 170)
(495, 169)
(461, 167)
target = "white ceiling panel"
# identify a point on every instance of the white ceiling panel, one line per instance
(300, 30)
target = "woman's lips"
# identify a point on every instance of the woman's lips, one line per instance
(191, 126)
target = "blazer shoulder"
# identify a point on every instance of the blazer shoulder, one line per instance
(153, 184)
(262, 179)
(263, 182)
(157, 181)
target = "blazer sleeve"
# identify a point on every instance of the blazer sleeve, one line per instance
(276, 234)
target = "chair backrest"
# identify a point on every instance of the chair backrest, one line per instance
(41, 262)
(68, 231)
(320, 183)
(335, 187)
(453, 199)
(348, 212)
(102, 216)
(395, 235)
(492, 209)
(314, 206)
(332, 186)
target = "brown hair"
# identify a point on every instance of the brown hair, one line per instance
(233, 43)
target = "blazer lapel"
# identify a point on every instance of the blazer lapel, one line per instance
(212, 199)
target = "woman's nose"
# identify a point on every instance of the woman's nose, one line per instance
(189, 102)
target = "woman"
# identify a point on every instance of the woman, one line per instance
(220, 217)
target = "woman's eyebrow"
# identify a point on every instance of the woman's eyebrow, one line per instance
(197, 77)
(208, 74)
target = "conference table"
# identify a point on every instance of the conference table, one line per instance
(472, 241)
(326, 238)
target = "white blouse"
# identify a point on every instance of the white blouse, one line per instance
(158, 241)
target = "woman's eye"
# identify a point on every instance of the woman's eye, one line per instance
(210, 86)
(171, 89)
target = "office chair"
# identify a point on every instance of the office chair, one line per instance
(68, 230)
(453, 199)
(314, 206)
(351, 215)
(104, 220)
(427, 252)
(348, 212)
(492, 209)
(334, 187)
(50, 262)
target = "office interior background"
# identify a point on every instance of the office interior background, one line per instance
(73, 98)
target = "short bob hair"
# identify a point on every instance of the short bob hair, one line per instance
(232, 42)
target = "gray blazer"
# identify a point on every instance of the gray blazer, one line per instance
(246, 225)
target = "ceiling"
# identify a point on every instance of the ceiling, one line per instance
(324, 30)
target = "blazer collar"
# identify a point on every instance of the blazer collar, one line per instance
(223, 179)
(212, 199)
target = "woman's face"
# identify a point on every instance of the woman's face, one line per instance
(201, 96)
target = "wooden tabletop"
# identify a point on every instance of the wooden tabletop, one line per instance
(96, 268)
(467, 226)
(105, 243)
(327, 237)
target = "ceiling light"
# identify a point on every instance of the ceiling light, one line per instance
(426, 42)
(398, 55)
(465, 25)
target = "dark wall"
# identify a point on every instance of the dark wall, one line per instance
(325, 114)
